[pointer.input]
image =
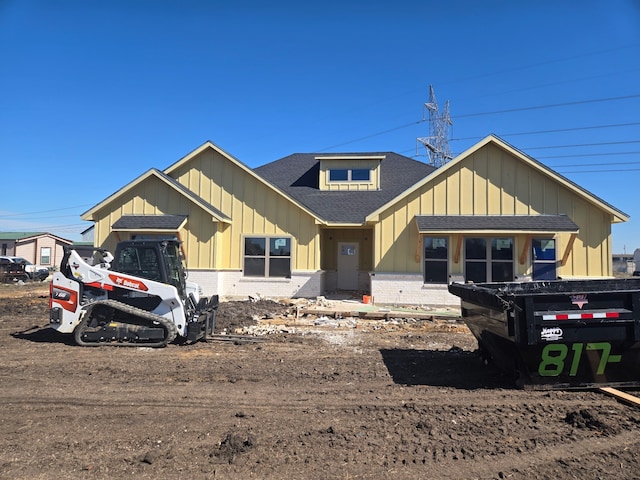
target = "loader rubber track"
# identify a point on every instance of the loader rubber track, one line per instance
(141, 318)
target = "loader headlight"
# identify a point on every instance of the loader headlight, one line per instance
(55, 315)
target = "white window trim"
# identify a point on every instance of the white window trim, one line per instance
(349, 175)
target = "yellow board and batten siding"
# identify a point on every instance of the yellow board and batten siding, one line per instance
(254, 209)
(492, 181)
(154, 197)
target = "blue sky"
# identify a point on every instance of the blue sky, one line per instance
(93, 94)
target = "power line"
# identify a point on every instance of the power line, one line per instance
(41, 225)
(551, 84)
(524, 67)
(582, 145)
(556, 130)
(31, 217)
(593, 164)
(603, 171)
(539, 64)
(512, 110)
(603, 154)
(574, 155)
(372, 135)
(550, 105)
(44, 211)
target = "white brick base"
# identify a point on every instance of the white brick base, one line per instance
(233, 285)
(331, 281)
(386, 288)
(407, 289)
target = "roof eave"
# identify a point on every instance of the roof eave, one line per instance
(163, 230)
(345, 224)
(498, 231)
(88, 215)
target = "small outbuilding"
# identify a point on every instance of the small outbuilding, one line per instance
(39, 248)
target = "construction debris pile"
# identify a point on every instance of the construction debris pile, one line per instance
(258, 316)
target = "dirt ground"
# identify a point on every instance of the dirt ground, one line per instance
(315, 399)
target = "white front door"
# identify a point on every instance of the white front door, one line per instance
(348, 264)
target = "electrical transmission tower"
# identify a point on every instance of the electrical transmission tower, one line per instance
(436, 144)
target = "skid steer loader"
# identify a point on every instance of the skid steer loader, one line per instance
(139, 297)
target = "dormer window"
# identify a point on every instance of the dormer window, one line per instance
(342, 172)
(349, 175)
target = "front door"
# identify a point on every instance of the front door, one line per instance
(543, 255)
(348, 265)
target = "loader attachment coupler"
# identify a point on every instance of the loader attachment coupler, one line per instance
(203, 322)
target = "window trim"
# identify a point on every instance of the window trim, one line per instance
(547, 262)
(425, 260)
(488, 260)
(43, 256)
(267, 256)
(349, 178)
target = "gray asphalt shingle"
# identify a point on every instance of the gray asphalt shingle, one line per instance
(532, 223)
(149, 222)
(298, 175)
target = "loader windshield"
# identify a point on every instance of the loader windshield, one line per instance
(175, 268)
(160, 261)
(140, 262)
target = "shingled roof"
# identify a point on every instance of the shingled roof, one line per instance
(149, 222)
(531, 223)
(298, 176)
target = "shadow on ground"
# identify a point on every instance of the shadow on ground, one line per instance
(43, 335)
(455, 368)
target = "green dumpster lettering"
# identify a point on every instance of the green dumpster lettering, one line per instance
(554, 358)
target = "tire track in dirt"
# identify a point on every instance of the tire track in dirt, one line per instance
(546, 458)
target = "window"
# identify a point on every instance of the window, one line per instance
(338, 175)
(349, 175)
(502, 260)
(45, 256)
(128, 261)
(175, 265)
(146, 262)
(267, 257)
(436, 255)
(360, 174)
(488, 259)
(544, 258)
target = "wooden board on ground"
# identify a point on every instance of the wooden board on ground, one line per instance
(622, 396)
